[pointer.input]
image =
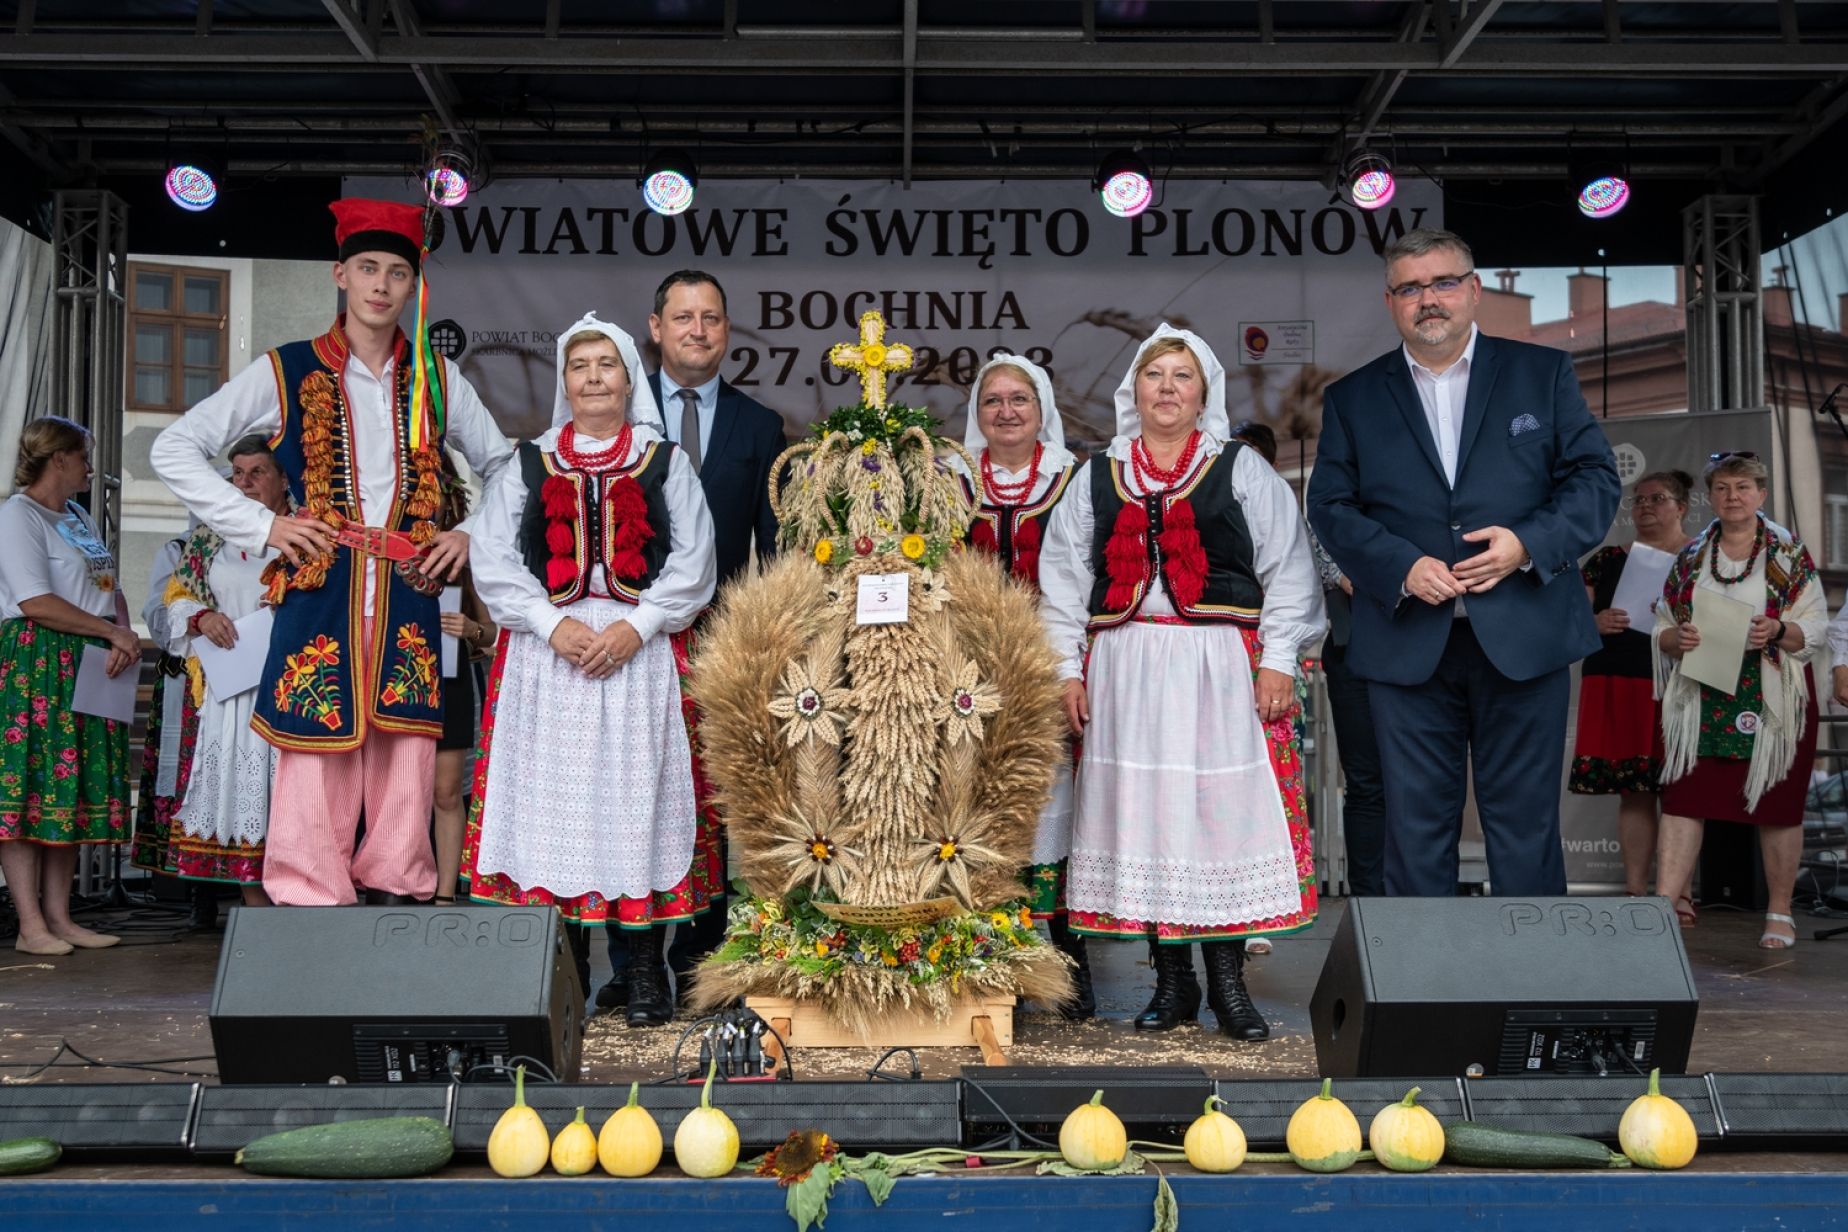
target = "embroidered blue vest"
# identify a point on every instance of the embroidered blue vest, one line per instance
(311, 699)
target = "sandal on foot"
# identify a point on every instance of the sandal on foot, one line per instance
(1685, 914)
(1777, 941)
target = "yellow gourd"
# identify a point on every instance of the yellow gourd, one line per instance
(1657, 1132)
(706, 1144)
(1405, 1136)
(630, 1141)
(1214, 1142)
(1092, 1137)
(519, 1145)
(574, 1151)
(1323, 1135)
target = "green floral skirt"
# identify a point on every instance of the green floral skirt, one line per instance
(63, 775)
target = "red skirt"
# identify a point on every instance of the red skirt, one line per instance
(1714, 790)
(1619, 745)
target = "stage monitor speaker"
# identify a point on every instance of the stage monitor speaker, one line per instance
(138, 1118)
(231, 1118)
(1588, 1107)
(1473, 986)
(1155, 1102)
(1762, 1111)
(393, 994)
(1262, 1107)
(861, 1115)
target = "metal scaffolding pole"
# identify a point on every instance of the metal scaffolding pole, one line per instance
(1725, 312)
(89, 283)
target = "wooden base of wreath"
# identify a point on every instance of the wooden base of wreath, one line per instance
(974, 1022)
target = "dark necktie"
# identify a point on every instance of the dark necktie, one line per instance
(689, 426)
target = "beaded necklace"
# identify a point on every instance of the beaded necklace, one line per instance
(1015, 493)
(1154, 477)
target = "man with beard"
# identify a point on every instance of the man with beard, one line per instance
(1458, 480)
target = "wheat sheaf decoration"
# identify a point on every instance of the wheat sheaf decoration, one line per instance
(881, 781)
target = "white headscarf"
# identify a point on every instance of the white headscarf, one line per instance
(1213, 420)
(1052, 426)
(642, 409)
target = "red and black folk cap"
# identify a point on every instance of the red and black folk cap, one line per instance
(362, 225)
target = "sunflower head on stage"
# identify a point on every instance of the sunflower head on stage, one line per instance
(881, 781)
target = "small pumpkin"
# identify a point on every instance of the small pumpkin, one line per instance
(706, 1143)
(1405, 1136)
(574, 1151)
(630, 1142)
(1214, 1142)
(1092, 1138)
(1323, 1135)
(1657, 1132)
(519, 1144)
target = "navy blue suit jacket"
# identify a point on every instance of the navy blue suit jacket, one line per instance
(747, 436)
(1530, 458)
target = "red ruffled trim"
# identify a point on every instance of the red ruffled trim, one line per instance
(1183, 558)
(1126, 556)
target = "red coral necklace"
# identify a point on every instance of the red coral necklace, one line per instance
(1154, 477)
(1015, 493)
(615, 454)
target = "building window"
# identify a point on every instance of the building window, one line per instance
(178, 336)
(1835, 517)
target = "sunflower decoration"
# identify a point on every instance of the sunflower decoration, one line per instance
(800, 1154)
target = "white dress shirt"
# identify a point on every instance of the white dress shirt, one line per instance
(707, 408)
(1838, 638)
(1444, 395)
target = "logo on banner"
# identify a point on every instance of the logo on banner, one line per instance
(1277, 342)
(448, 339)
(1630, 462)
(1256, 342)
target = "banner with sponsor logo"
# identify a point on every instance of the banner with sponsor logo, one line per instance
(1282, 281)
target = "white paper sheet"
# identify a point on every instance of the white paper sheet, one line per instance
(239, 669)
(97, 694)
(1640, 585)
(450, 601)
(1723, 623)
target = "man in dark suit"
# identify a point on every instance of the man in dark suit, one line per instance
(1458, 480)
(732, 441)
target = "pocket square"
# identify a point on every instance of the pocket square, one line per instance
(1523, 423)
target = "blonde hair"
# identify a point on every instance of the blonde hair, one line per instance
(1167, 345)
(585, 336)
(1013, 370)
(1737, 466)
(42, 440)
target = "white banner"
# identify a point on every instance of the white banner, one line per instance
(1284, 282)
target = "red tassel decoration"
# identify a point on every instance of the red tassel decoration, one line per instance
(1126, 558)
(559, 497)
(1183, 558)
(559, 538)
(626, 508)
(629, 564)
(560, 573)
(1027, 551)
(982, 536)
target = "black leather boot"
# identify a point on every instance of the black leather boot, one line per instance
(203, 914)
(1177, 992)
(650, 1002)
(1226, 993)
(1083, 1004)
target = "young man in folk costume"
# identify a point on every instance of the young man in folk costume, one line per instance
(351, 693)
(1016, 437)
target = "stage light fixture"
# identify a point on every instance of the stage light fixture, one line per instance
(669, 181)
(1125, 183)
(447, 186)
(193, 186)
(1366, 180)
(1603, 189)
(452, 172)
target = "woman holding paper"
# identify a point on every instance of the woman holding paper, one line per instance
(1742, 753)
(63, 774)
(223, 818)
(1619, 746)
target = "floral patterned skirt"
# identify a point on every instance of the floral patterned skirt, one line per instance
(694, 894)
(154, 829)
(1619, 745)
(63, 775)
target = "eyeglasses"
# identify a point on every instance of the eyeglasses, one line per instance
(1731, 453)
(1449, 284)
(1654, 498)
(1018, 402)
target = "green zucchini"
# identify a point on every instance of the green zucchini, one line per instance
(22, 1155)
(1486, 1146)
(381, 1147)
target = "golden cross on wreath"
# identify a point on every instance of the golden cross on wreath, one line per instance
(872, 358)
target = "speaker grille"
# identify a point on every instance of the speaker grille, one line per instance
(1262, 1107)
(1159, 1100)
(84, 1116)
(231, 1118)
(1805, 1106)
(1588, 1107)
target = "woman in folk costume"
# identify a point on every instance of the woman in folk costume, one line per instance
(223, 818)
(172, 727)
(1743, 755)
(1016, 437)
(594, 552)
(1181, 557)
